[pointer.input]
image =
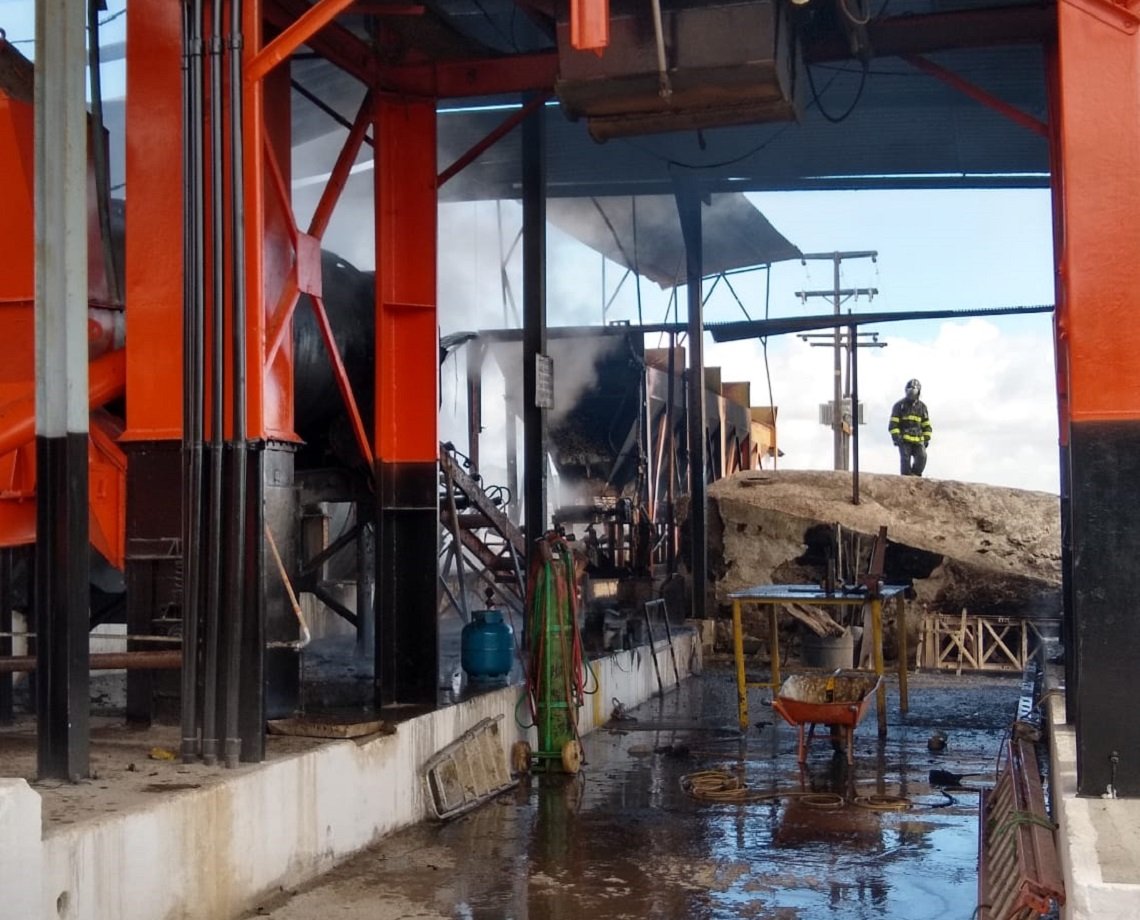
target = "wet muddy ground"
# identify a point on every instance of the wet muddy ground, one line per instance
(624, 840)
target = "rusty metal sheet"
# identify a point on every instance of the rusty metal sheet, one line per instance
(1019, 874)
(643, 233)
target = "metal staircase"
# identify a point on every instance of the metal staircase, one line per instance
(480, 534)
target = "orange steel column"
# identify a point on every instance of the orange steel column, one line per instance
(407, 402)
(1098, 331)
(154, 216)
(154, 297)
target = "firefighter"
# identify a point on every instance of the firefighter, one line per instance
(910, 430)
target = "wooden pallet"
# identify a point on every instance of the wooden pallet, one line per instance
(977, 643)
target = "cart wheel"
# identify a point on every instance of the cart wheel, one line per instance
(572, 757)
(838, 739)
(520, 758)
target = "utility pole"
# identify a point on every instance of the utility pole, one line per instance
(837, 296)
(848, 414)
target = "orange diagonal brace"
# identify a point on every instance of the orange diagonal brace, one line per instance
(342, 380)
(107, 379)
(590, 25)
(280, 318)
(278, 180)
(319, 15)
(340, 171)
(976, 93)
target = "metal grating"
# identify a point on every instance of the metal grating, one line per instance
(1019, 875)
(468, 772)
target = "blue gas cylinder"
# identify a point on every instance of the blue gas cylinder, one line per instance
(487, 646)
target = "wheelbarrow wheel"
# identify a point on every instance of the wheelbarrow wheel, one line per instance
(572, 757)
(838, 744)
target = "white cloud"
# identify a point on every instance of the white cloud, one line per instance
(991, 396)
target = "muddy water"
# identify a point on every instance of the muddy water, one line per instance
(623, 840)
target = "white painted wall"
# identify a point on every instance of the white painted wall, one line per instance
(20, 853)
(1091, 832)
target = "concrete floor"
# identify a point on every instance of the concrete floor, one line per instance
(623, 840)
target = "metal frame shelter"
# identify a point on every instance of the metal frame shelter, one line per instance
(1048, 92)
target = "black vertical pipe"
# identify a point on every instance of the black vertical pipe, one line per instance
(670, 489)
(1104, 475)
(62, 622)
(689, 211)
(534, 322)
(5, 627)
(476, 353)
(853, 358)
(1068, 625)
(214, 579)
(192, 269)
(62, 576)
(365, 606)
(238, 544)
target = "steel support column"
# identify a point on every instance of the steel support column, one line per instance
(407, 401)
(155, 567)
(534, 325)
(61, 579)
(1098, 339)
(689, 210)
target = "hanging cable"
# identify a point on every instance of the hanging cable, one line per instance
(836, 119)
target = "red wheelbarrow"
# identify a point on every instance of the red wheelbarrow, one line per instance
(837, 700)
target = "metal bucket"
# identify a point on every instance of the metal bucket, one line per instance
(828, 652)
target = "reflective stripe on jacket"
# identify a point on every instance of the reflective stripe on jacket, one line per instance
(910, 421)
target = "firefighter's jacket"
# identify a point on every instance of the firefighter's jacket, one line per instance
(910, 422)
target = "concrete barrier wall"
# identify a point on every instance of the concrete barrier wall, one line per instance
(21, 856)
(213, 852)
(1097, 839)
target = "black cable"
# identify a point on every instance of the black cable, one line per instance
(767, 142)
(819, 102)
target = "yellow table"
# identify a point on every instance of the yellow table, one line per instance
(774, 595)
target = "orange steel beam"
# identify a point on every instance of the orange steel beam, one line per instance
(1100, 148)
(977, 93)
(1098, 58)
(271, 238)
(278, 326)
(319, 15)
(107, 381)
(407, 347)
(341, 376)
(340, 171)
(334, 43)
(154, 268)
(494, 136)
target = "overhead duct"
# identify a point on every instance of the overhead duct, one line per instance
(707, 66)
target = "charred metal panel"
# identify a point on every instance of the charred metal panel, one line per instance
(1105, 472)
(407, 629)
(153, 570)
(271, 471)
(724, 64)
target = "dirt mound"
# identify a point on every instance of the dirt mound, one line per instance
(992, 550)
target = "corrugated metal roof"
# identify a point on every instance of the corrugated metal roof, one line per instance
(644, 234)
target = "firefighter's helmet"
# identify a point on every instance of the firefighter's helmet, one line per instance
(913, 388)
